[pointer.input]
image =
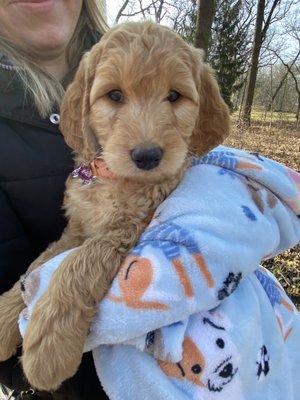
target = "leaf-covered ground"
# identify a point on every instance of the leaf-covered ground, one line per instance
(279, 140)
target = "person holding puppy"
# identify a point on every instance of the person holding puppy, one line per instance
(196, 266)
(31, 216)
(41, 44)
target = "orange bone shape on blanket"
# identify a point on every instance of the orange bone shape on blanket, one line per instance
(136, 276)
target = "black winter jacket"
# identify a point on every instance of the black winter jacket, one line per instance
(34, 164)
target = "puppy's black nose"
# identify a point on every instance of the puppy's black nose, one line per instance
(146, 157)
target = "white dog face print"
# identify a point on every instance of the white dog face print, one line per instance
(210, 362)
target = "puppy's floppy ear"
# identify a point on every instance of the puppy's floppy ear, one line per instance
(213, 123)
(75, 106)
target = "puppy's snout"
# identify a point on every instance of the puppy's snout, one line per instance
(146, 157)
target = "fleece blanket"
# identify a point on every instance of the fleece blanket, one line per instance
(191, 314)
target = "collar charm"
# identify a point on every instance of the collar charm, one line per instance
(84, 172)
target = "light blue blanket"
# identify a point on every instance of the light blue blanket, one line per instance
(191, 315)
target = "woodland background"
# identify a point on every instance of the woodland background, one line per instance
(254, 47)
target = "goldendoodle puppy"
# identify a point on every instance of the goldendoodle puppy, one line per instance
(141, 103)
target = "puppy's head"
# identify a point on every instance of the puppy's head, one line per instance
(147, 99)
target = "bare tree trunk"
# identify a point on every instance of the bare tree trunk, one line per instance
(205, 16)
(285, 75)
(290, 71)
(283, 79)
(254, 63)
(121, 10)
(259, 36)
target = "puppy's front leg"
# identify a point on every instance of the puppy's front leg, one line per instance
(56, 333)
(11, 302)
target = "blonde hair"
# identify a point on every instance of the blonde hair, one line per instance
(43, 88)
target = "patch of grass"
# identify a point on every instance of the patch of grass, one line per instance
(258, 115)
(286, 268)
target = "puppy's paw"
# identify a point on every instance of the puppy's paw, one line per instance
(10, 339)
(52, 347)
(47, 370)
(11, 305)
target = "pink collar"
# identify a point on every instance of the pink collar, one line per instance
(88, 172)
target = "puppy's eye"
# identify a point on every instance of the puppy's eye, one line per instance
(116, 95)
(173, 96)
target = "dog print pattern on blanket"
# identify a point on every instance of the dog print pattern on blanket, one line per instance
(191, 315)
